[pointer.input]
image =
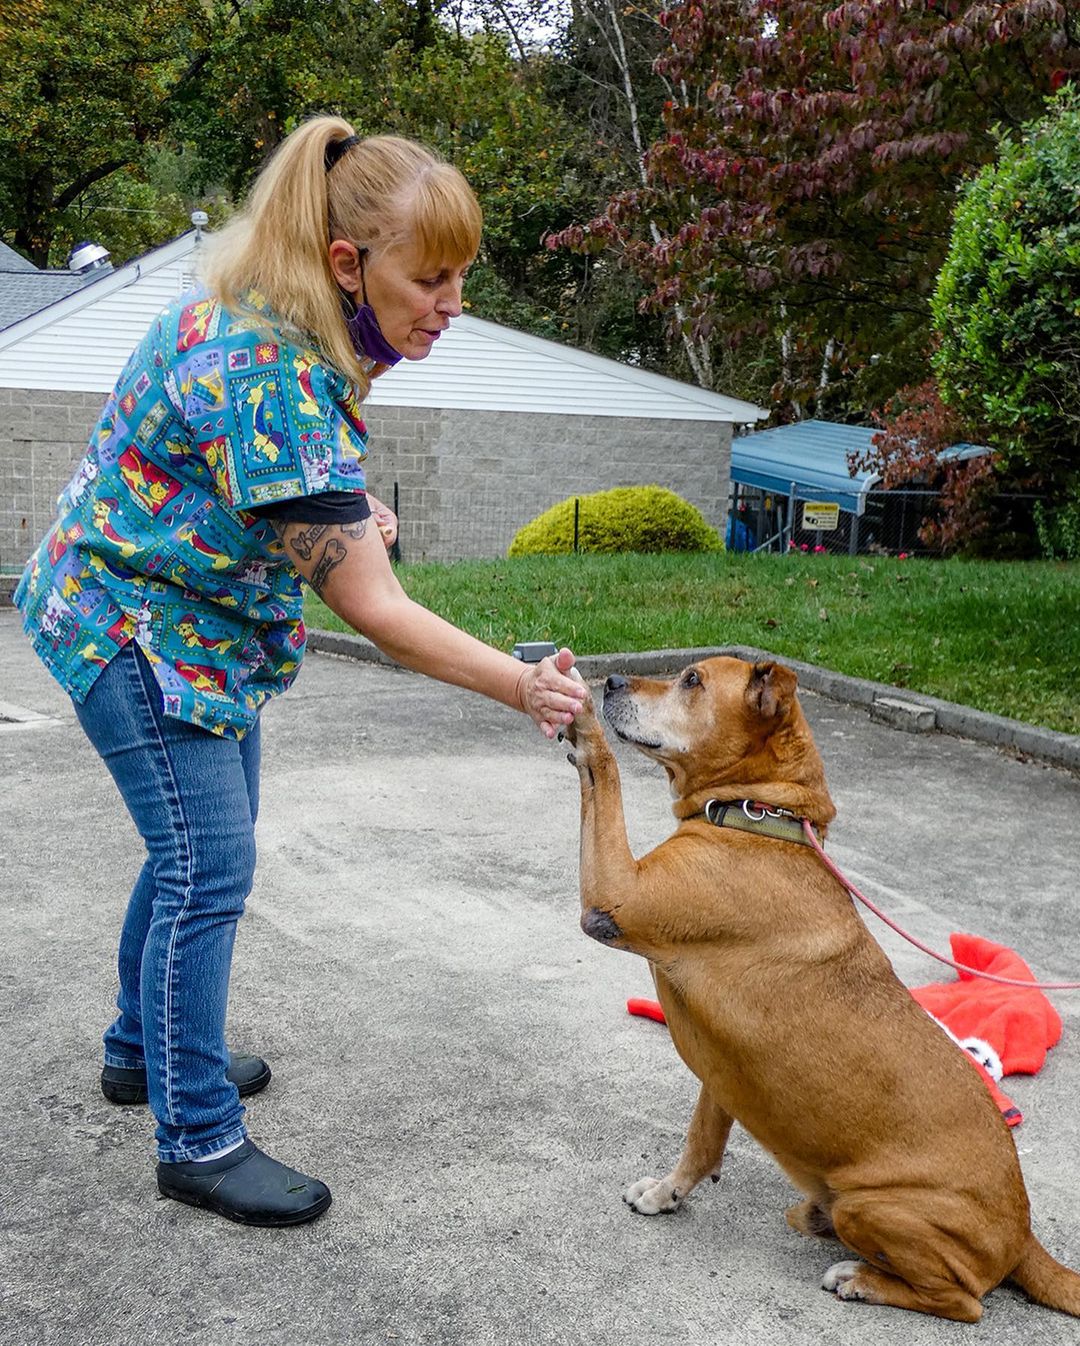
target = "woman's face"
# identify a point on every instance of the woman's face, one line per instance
(413, 303)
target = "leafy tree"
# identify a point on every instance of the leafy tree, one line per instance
(130, 212)
(489, 114)
(84, 88)
(606, 75)
(1007, 304)
(801, 192)
(93, 96)
(911, 448)
(271, 63)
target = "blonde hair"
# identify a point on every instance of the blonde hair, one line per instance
(382, 192)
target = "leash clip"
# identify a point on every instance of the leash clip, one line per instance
(757, 813)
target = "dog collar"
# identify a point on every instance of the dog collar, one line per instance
(745, 815)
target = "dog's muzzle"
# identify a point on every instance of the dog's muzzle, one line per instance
(621, 712)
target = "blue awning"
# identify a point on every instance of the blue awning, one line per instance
(814, 456)
(811, 454)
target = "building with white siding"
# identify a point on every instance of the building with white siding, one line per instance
(488, 431)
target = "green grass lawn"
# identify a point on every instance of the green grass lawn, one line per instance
(1002, 637)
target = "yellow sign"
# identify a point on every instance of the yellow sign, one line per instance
(822, 515)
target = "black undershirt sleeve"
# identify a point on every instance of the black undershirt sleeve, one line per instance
(328, 507)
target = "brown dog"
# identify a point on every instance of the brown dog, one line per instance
(786, 1009)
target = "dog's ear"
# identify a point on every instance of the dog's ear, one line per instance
(771, 689)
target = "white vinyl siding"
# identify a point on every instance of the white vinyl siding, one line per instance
(81, 343)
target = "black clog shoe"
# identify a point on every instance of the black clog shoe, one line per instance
(127, 1086)
(247, 1186)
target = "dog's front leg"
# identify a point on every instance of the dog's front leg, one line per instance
(609, 873)
(701, 1157)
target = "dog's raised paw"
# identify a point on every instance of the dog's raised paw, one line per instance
(840, 1279)
(652, 1196)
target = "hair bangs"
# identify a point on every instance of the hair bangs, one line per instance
(447, 219)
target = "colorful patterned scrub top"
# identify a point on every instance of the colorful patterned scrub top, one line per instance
(214, 414)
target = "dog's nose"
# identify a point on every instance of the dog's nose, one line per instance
(616, 683)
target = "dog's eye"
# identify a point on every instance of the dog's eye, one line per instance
(691, 679)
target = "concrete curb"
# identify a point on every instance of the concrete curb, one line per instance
(1045, 745)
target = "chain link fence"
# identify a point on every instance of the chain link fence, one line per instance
(890, 524)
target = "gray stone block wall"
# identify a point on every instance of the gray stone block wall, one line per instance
(477, 477)
(467, 481)
(43, 435)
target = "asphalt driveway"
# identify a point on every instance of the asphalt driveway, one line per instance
(451, 1054)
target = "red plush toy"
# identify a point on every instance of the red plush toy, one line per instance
(1006, 1030)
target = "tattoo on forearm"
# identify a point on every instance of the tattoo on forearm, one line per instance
(333, 554)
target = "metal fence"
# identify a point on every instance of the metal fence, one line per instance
(890, 524)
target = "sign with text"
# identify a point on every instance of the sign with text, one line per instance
(822, 515)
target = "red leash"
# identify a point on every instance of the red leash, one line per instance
(811, 836)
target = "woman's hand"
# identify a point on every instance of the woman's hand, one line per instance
(549, 694)
(386, 521)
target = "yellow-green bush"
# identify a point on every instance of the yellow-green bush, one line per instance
(628, 518)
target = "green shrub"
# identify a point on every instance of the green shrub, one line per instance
(626, 519)
(1059, 529)
(1006, 307)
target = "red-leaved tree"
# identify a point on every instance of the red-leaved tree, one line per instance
(978, 507)
(803, 190)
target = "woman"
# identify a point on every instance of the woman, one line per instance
(226, 468)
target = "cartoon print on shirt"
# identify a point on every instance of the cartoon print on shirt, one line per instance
(208, 419)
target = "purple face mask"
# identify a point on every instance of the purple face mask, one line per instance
(364, 330)
(367, 338)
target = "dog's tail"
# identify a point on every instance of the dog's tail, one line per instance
(1045, 1280)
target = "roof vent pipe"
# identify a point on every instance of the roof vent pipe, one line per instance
(86, 257)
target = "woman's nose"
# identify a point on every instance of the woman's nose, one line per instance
(450, 302)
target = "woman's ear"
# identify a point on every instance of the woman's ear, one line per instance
(345, 264)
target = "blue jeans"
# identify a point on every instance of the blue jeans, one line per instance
(193, 797)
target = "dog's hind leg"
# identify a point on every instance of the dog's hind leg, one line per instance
(866, 1284)
(702, 1156)
(912, 1262)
